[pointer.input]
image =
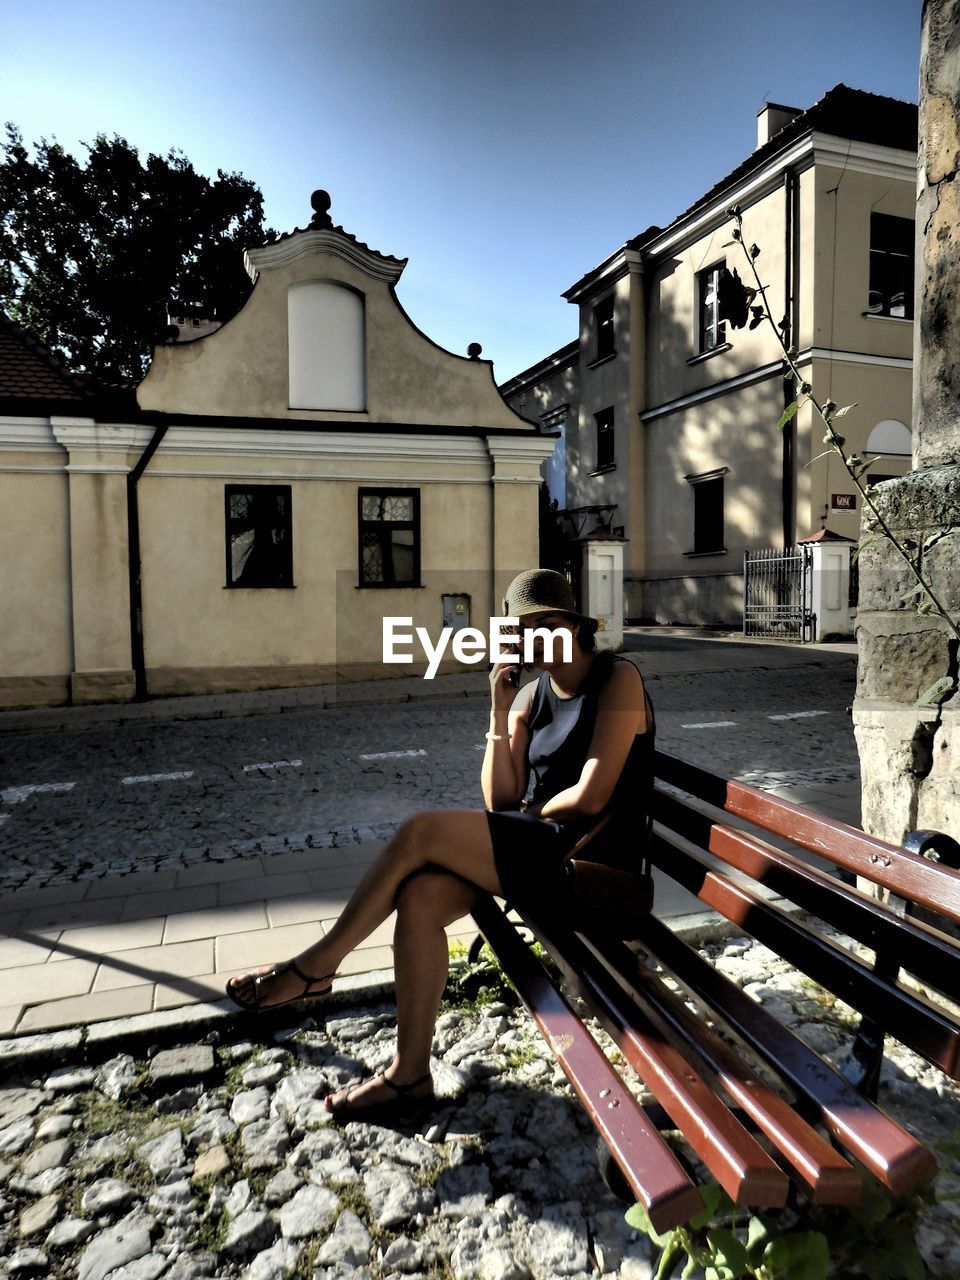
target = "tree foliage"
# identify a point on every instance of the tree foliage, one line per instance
(91, 255)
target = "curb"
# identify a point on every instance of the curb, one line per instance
(163, 1027)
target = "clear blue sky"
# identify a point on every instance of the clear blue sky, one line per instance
(504, 146)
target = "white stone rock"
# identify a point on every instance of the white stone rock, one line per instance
(250, 1105)
(147, 1268)
(275, 1263)
(281, 1187)
(238, 1198)
(70, 1232)
(262, 1074)
(500, 1264)
(17, 1136)
(265, 1143)
(295, 1089)
(393, 1195)
(308, 1212)
(403, 1254)
(42, 1184)
(248, 1233)
(70, 1079)
(55, 1127)
(125, 1242)
(349, 1242)
(557, 1241)
(15, 1103)
(106, 1195)
(211, 1130)
(164, 1154)
(464, 1190)
(116, 1077)
(25, 1261)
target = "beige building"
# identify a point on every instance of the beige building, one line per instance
(669, 414)
(284, 483)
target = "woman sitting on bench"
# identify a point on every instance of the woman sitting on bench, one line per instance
(583, 735)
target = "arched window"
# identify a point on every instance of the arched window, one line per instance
(325, 342)
(891, 438)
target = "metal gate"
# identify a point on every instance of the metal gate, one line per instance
(778, 593)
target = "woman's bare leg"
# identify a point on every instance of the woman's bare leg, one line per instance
(456, 840)
(427, 902)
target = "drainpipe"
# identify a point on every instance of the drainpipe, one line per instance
(791, 268)
(133, 543)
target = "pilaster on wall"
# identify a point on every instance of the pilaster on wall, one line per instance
(99, 461)
(515, 480)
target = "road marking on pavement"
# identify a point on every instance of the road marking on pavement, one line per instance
(710, 724)
(393, 755)
(798, 715)
(156, 777)
(273, 764)
(13, 795)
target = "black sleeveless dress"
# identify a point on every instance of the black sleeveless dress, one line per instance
(528, 851)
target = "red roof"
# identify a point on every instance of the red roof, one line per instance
(30, 372)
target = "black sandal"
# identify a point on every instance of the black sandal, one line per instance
(398, 1106)
(255, 1002)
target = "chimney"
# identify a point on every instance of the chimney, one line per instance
(771, 118)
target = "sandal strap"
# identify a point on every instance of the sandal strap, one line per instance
(305, 978)
(401, 1089)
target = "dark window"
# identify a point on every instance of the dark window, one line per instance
(606, 455)
(603, 319)
(389, 537)
(259, 536)
(712, 330)
(707, 512)
(891, 266)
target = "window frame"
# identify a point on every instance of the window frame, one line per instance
(718, 328)
(699, 483)
(606, 337)
(605, 425)
(231, 521)
(369, 491)
(880, 262)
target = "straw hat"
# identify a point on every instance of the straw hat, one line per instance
(541, 591)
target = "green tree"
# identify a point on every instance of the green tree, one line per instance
(92, 254)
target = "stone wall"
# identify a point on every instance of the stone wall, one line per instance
(907, 711)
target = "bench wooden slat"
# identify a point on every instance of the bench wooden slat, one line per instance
(654, 1173)
(911, 876)
(913, 1020)
(882, 1146)
(745, 1171)
(924, 951)
(826, 1176)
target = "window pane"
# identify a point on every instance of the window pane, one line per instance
(241, 544)
(397, 508)
(240, 506)
(372, 558)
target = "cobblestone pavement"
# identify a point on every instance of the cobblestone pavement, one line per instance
(109, 800)
(218, 1158)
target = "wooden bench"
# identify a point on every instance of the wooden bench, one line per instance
(767, 1116)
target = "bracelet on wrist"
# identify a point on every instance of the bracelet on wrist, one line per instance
(497, 737)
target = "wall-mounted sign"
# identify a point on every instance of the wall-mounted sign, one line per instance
(843, 501)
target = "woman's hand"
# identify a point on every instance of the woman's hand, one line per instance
(504, 685)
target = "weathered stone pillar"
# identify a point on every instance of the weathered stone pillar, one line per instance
(907, 709)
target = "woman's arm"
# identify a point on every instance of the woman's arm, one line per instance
(621, 715)
(503, 776)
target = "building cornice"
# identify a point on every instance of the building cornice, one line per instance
(535, 449)
(303, 244)
(624, 261)
(561, 359)
(27, 435)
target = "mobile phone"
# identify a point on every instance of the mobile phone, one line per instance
(513, 676)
